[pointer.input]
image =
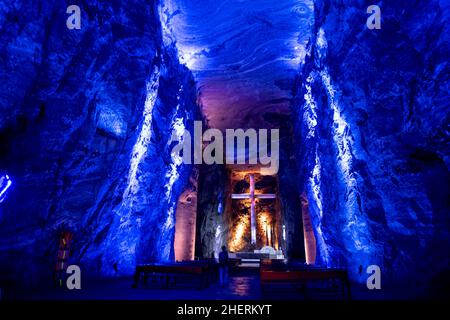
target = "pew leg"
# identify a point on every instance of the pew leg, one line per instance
(304, 289)
(345, 289)
(136, 279)
(263, 288)
(145, 278)
(201, 282)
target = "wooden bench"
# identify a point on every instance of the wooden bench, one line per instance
(168, 275)
(301, 277)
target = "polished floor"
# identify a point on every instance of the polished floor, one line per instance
(239, 287)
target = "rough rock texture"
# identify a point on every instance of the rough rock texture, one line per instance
(243, 54)
(372, 116)
(293, 245)
(85, 123)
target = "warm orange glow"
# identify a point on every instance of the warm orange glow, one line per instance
(265, 228)
(243, 226)
(265, 221)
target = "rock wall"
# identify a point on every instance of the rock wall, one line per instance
(267, 213)
(86, 118)
(293, 245)
(372, 119)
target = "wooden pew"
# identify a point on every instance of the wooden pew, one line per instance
(212, 268)
(303, 276)
(168, 275)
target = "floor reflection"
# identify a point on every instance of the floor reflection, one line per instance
(243, 286)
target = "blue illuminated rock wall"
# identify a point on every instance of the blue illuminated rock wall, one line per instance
(372, 114)
(85, 123)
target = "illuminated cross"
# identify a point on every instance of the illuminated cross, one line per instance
(5, 184)
(252, 196)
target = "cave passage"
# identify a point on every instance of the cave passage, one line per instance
(245, 83)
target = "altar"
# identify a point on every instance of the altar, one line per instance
(253, 259)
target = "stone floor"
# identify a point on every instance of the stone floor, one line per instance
(240, 287)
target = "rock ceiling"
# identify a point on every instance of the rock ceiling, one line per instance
(244, 55)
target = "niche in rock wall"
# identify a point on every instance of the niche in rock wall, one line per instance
(185, 221)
